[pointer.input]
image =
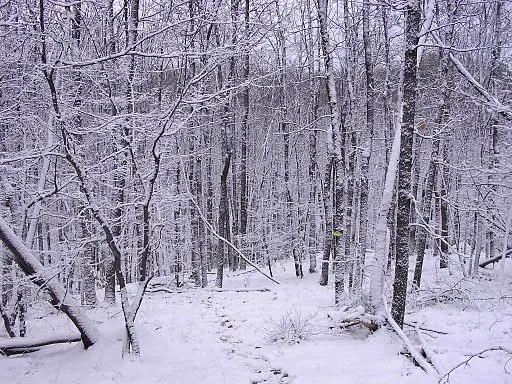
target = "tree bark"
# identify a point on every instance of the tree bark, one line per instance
(334, 167)
(244, 130)
(445, 219)
(412, 28)
(223, 219)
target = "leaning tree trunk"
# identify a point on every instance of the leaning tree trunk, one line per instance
(60, 298)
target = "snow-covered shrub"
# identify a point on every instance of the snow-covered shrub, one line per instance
(293, 327)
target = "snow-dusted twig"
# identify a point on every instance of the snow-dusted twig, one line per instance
(445, 377)
(429, 354)
(424, 364)
(425, 329)
(491, 102)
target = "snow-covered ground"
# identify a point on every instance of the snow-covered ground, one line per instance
(205, 336)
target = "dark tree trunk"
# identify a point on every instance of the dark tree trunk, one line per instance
(223, 219)
(244, 130)
(412, 28)
(445, 218)
(416, 163)
(88, 278)
(194, 219)
(328, 239)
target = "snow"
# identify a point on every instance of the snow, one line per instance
(41, 277)
(192, 335)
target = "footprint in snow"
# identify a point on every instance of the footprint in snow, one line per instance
(272, 376)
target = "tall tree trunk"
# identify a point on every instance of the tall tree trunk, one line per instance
(367, 148)
(223, 218)
(119, 178)
(194, 183)
(412, 28)
(334, 167)
(313, 161)
(492, 81)
(88, 277)
(416, 164)
(177, 232)
(244, 127)
(227, 129)
(445, 218)
(328, 237)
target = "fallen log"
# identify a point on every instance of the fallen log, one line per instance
(494, 259)
(241, 290)
(430, 356)
(166, 290)
(416, 355)
(19, 345)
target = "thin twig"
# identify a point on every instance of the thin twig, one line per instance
(465, 362)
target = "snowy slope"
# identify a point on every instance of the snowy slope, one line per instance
(205, 336)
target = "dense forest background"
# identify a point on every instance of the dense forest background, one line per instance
(141, 138)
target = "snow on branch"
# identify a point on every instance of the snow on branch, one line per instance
(491, 102)
(17, 345)
(422, 362)
(60, 298)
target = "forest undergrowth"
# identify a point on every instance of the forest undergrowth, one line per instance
(249, 332)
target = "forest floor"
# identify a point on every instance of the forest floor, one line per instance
(282, 334)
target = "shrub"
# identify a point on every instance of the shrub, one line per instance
(293, 327)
